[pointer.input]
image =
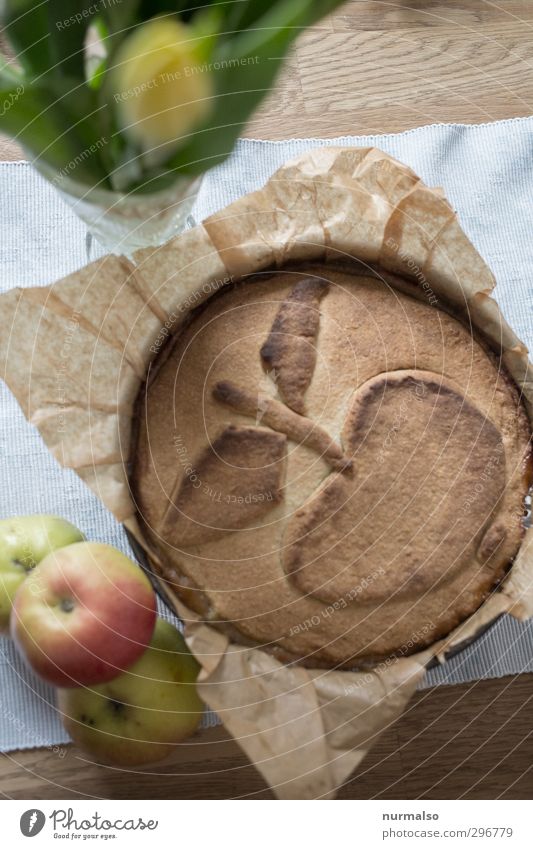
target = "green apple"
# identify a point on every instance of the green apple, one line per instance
(24, 542)
(140, 716)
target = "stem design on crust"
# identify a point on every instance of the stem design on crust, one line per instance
(278, 417)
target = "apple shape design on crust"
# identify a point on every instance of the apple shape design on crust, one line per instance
(86, 613)
(410, 473)
(24, 542)
(141, 715)
(391, 460)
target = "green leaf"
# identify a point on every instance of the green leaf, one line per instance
(205, 28)
(10, 75)
(35, 120)
(48, 36)
(186, 9)
(242, 15)
(26, 27)
(249, 14)
(250, 63)
(68, 24)
(120, 19)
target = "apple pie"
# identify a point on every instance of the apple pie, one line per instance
(331, 464)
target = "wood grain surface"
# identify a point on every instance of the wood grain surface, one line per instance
(472, 742)
(373, 67)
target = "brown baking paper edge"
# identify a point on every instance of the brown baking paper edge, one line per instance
(76, 353)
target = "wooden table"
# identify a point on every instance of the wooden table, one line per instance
(372, 67)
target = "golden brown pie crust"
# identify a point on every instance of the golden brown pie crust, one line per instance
(330, 468)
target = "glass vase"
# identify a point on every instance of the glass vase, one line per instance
(125, 222)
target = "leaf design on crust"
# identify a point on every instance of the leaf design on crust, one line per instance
(235, 481)
(290, 350)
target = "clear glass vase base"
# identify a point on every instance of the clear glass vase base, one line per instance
(125, 223)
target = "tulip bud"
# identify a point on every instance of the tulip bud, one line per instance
(162, 84)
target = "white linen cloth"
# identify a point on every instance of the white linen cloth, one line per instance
(487, 174)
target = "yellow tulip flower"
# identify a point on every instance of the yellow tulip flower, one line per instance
(162, 86)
